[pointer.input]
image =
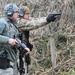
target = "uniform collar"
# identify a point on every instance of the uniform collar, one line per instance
(11, 20)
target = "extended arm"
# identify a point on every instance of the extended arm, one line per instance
(35, 23)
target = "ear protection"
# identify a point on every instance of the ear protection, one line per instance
(21, 14)
(10, 10)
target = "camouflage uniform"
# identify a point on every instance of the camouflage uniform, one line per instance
(32, 23)
(26, 25)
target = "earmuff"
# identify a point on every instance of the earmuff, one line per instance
(10, 10)
(21, 14)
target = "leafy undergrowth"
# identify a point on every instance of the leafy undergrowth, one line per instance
(70, 72)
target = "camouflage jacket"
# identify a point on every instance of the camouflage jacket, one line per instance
(32, 23)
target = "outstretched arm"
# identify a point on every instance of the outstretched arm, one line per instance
(35, 23)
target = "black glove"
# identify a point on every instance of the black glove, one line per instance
(51, 18)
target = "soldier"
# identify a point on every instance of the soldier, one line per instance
(24, 17)
(29, 23)
(7, 42)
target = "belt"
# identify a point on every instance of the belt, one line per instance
(4, 64)
(5, 67)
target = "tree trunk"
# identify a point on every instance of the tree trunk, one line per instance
(53, 52)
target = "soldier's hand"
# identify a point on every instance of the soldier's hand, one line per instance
(12, 41)
(50, 18)
(27, 51)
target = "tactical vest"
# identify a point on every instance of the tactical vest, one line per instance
(9, 31)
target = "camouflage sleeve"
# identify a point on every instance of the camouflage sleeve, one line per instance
(34, 23)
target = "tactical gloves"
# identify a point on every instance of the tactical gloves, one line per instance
(51, 18)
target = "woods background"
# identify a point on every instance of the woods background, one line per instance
(63, 33)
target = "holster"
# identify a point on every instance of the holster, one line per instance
(4, 63)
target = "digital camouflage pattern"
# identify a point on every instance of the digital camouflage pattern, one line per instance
(32, 23)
